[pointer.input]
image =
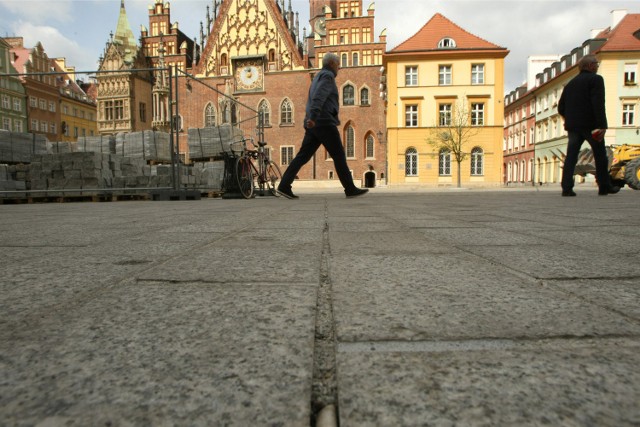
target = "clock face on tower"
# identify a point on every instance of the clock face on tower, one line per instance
(249, 75)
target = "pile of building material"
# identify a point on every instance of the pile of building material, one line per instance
(61, 147)
(148, 145)
(209, 175)
(72, 171)
(13, 177)
(18, 147)
(105, 144)
(213, 142)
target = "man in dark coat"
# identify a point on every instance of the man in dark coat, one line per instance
(320, 123)
(583, 109)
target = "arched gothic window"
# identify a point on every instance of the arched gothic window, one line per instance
(364, 96)
(209, 116)
(286, 112)
(370, 146)
(350, 142)
(265, 110)
(348, 95)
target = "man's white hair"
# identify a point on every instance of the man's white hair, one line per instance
(329, 58)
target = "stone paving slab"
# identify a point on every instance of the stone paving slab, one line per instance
(557, 383)
(453, 296)
(181, 354)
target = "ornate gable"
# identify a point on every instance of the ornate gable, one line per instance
(255, 28)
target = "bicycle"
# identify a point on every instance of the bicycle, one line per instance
(266, 175)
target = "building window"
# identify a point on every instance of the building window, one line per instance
(345, 61)
(354, 60)
(444, 75)
(34, 125)
(477, 114)
(630, 74)
(17, 104)
(411, 162)
(143, 112)
(477, 74)
(264, 109)
(444, 162)
(286, 155)
(43, 104)
(411, 76)
(209, 115)
(333, 37)
(444, 116)
(355, 35)
(75, 131)
(52, 106)
(6, 123)
(118, 109)
(411, 116)
(348, 95)
(44, 126)
(370, 146)
(477, 161)
(447, 43)
(366, 35)
(350, 141)
(53, 128)
(6, 102)
(628, 114)
(17, 125)
(33, 101)
(364, 96)
(286, 113)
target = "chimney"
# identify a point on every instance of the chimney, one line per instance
(617, 15)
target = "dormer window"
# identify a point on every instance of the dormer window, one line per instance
(447, 43)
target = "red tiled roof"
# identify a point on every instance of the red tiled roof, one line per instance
(437, 28)
(622, 37)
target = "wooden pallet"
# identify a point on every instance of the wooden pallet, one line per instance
(73, 198)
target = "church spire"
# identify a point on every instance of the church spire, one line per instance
(124, 35)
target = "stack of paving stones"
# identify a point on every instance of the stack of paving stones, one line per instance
(209, 175)
(147, 145)
(105, 144)
(213, 142)
(13, 178)
(17, 147)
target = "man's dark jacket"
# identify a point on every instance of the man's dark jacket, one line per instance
(323, 103)
(582, 103)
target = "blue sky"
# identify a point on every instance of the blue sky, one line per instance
(79, 29)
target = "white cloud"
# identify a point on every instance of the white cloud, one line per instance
(55, 44)
(40, 12)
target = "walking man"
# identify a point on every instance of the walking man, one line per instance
(321, 127)
(582, 107)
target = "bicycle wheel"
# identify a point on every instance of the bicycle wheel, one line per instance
(273, 176)
(244, 175)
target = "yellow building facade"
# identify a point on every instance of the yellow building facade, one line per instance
(444, 79)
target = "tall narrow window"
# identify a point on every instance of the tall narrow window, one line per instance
(286, 155)
(477, 114)
(350, 141)
(370, 146)
(411, 162)
(286, 113)
(265, 111)
(348, 95)
(354, 59)
(411, 76)
(344, 60)
(477, 160)
(411, 116)
(628, 114)
(444, 111)
(444, 162)
(477, 74)
(364, 96)
(209, 116)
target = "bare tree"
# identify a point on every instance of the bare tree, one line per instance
(456, 127)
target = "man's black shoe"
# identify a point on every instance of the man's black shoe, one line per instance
(287, 193)
(569, 193)
(357, 192)
(611, 190)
